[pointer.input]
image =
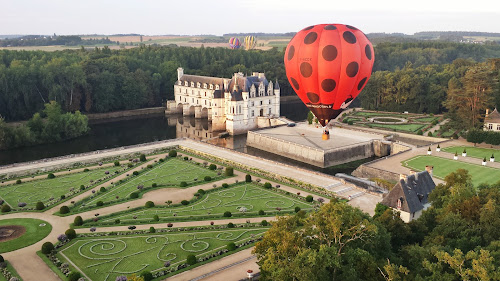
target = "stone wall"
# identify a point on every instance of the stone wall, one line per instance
(365, 171)
(397, 147)
(347, 154)
(125, 113)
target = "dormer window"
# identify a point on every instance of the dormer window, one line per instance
(204, 85)
(192, 84)
(198, 84)
(179, 83)
(211, 87)
(216, 87)
(400, 202)
(186, 83)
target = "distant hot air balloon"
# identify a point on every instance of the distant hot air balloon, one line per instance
(250, 42)
(234, 43)
(328, 65)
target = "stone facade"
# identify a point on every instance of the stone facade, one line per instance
(231, 104)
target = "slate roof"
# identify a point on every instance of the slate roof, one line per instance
(236, 96)
(413, 192)
(218, 94)
(244, 83)
(202, 79)
(493, 117)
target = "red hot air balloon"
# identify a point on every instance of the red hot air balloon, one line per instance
(328, 65)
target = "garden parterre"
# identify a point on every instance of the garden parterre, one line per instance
(476, 152)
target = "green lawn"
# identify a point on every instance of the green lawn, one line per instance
(443, 167)
(105, 258)
(382, 114)
(402, 127)
(49, 191)
(476, 152)
(165, 174)
(425, 119)
(213, 205)
(34, 233)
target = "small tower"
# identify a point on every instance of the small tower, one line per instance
(277, 97)
(180, 72)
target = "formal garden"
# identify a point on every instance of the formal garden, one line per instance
(237, 200)
(39, 194)
(19, 233)
(157, 253)
(476, 152)
(443, 167)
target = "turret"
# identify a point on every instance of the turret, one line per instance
(180, 72)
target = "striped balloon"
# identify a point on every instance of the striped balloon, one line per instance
(234, 43)
(250, 42)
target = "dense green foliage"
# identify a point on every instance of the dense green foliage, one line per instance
(47, 247)
(480, 136)
(39, 40)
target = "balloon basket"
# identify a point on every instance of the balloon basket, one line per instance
(325, 136)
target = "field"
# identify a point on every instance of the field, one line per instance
(36, 230)
(49, 191)
(475, 152)
(103, 259)
(213, 205)
(169, 173)
(443, 167)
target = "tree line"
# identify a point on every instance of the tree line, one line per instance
(415, 75)
(457, 238)
(38, 40)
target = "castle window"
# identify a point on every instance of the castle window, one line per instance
(270, 110)
(260, 102)
(252, 113)
(211, 87)
(205, 102)
(186, 83)
(252, 104)
(198, 84)
(192, 100)
(196, 101)
(192, 84)
(239, 109)
(498, 127)
(216, 87)
(490, 126)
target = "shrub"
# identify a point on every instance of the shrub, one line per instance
(309, 198)
(261, 212)
(225, 185)
(152, 230)
(154, 185)
(134, 195)
(212, 167)
(350, 122)
(268, 185)
(63, 197)
(99, 204)
(183, 184)
(135, 173)
(297, 209)
(420, 132)
(429, 134)
(162, 160)
(70, 233)
(5, 208)
(147, 276)
(229, 171)
(248, 178)
(19, 181)
(2, 259)
(117, 221)
(142, 158)
(82, 187)
(172, 153)
(47, 247)
(184, 202)
(51, 176)
(231, 246)
(186, 158)
(39, 205)
(197, 194)
(74, 276)
(149, 166)
(191, 259)
(201, 191)
(156, 218)
(78, 221)
(207, 178)
(150, 204)
(454, 136)
(264, 223)
(64, 210)
(230, 225)
(227, 214)
(86, 170)
(130, 165)
(117, 163)
(103, 189)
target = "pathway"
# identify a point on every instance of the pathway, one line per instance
(437, 127)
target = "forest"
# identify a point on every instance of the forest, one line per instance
(38, 40)
(417, 77)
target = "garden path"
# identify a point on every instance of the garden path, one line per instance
(436, 128)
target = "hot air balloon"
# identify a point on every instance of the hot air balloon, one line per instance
(328, 65)
(234, 43)
(250, 42)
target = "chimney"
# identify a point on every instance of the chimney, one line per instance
(180, 72)
(487, 112)
(429, 169)
(402, 177)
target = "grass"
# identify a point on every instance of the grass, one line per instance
(212, 206)
(475, 152)
(49, 191)
(12, 270)
(105, 258)
(34, 233)
(425, 119)
(165, 174)
(443, 167)
(400, 127)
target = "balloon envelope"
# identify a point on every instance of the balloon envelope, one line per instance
(328, 65)
(234, 43)
(250, 42)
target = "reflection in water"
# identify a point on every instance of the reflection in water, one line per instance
(127, 131)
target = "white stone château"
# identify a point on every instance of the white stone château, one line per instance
(492, 121)
(236, 105)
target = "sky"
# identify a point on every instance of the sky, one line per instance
(194, 17)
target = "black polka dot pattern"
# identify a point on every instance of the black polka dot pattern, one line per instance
(313, 97)
(310, 38)
(368, 52)
(362, 83)
(349, 37)
(306, 69)
(291, 52)
(351, 27)
(309, 27)
(352, 69)
(330, 27)
(328, 85)
(329, 52)
(295, 83)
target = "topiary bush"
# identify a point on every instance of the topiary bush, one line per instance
(227, 214)
(2, 259)
(152, 230)
(231, 246)
(268, 185)
(229, 171)
(149, 204)
(261, 212)
(172, 153)
(51, 176)
(156, 218)
(212, 167)
(39, 206)
(230, 225)
(186, 158)
(47, 248)
(117, 221)
(78, 221)
(70, 233)
(74, 276)
(183, 184)
(134, 195)
(86, 170)
(99, 204)
(248, 178)
(184, 202)
(201, 191)
(420, 132)
(142, 158)
(19, 181)
(225, 185)
(207, 178)
(135, 173)
(191, 259)
(117, 163)
(6, 208)
(154, 185)
(103, 189)
(309, 198)
(64, 210)
(297, 209)
(264, 223)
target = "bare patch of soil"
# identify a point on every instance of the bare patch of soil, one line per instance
(11, 232)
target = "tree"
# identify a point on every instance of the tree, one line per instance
(39, 205)
(191, 259)
(310, 117)
(70, 233)
(248, 178)
(64, 210)
(78, 221)
(229, 171)
(47, 248)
